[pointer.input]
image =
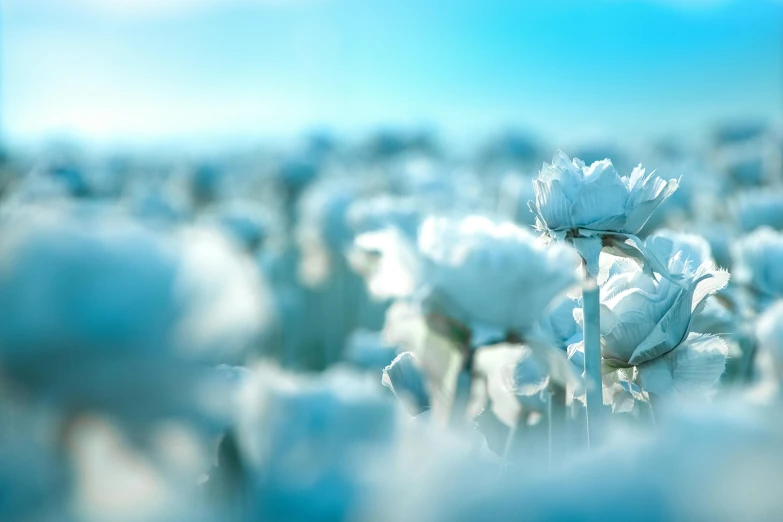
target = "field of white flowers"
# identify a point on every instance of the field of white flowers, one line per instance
(388, 331)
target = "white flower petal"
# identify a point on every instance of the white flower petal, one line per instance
(406, 381)
(645, 199)
(553, 206)
(602, 199)
(693, 367)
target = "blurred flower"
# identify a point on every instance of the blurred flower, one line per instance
(496, 279)
(757, 258)
(529, 381)
(759, 208)
(689, 249)
(323, 231)
(721, 240)
(389, 261)
(384, 212)
(312, 443)
(104, 315)
(558, 326)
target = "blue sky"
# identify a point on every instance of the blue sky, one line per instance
(108, 71)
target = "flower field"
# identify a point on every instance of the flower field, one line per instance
(385, 330)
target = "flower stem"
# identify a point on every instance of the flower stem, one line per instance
(592, 340)
(558, 419)
(549, 430)
(459, 407)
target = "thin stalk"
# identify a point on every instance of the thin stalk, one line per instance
(592, 340)
(559, 415)
(516, 435)
(549, 429)
(655, 403)
(459, 407)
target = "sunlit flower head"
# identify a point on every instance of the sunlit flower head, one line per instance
(571, 195)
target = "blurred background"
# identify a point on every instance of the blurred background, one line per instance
(209, 74)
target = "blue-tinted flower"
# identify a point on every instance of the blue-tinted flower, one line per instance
(104, 315)
(571, 195)
(590, 205)
(758, 258)
(558, 326)
(496, 279)
(759, 208)
(308, 444)
(643, 318)
(689, 250)
(693, 367)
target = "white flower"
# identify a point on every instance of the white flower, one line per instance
(594, 207)
(643, 318)
(758, 262)
(693, 367)
(645, 323)
(719, 312)
(496, 279)
(394, 267)
(571, 195)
